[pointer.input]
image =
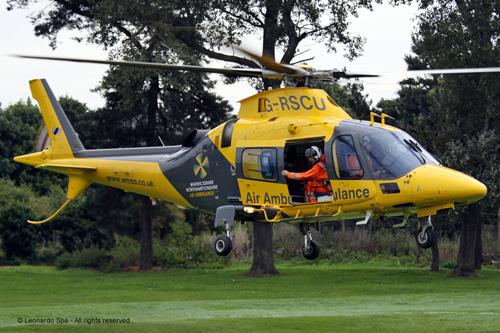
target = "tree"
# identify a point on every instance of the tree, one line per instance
(205, 27)
(350, 98)
(140, 32)
(18, 239)
(19, 125)
(459, 112)
(282, 25)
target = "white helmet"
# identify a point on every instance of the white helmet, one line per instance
(314, 152)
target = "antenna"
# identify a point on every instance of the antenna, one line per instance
(161, 141)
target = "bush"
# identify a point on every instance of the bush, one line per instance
(126, 253)
(89, 258)
(360, 245)
(19, 239)
(182, 250)
(78, 230)
(64, 261)
(47, 253)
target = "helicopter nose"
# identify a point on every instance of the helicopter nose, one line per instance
(437, 184)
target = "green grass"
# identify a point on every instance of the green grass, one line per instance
(355, 297)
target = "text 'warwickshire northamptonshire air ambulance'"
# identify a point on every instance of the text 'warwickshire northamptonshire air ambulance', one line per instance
(235, 171)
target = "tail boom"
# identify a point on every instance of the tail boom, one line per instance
(132, 169)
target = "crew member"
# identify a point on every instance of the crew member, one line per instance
(318, 183)
(355, 170)
(374, 156)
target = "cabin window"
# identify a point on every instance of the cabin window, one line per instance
(260, 164)
(347, 165)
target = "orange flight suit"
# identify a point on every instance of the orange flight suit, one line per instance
(317, 176)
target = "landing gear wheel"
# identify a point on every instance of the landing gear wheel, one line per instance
(311, 251)
(425, 238)
(223, 245)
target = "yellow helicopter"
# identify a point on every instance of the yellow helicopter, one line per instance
(253, 168)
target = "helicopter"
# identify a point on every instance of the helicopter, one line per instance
(235, 171)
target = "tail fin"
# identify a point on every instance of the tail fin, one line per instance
(64, 141)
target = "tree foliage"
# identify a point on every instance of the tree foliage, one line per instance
(464, 111)
(190, 32)
(19, 126)
(457, 115)
(206, 28)
(350, 98)
(18, 238)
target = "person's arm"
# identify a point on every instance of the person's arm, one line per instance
(312, 173)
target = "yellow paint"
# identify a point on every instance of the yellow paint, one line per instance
(352, 191)
(262, 193)
(267, 120)
(291, 102)
(59, 147)
(76, 186)
(53, 215)
(434, 209)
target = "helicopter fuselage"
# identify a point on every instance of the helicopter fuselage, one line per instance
(237, 165)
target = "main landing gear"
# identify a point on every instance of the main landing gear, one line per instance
(425, 235)
(224, 243)
(310, 250)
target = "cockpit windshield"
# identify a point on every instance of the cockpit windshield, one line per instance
(394, 154)
(419, 149)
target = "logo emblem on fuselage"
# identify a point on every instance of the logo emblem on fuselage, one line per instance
(201, 167)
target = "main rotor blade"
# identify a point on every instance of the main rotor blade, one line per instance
(272, 69)
(420, 72)
(273, 65)
(226, 71)
(352, 75)
(456, 70)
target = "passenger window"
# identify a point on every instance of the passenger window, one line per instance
(260, 164)
(347, 164)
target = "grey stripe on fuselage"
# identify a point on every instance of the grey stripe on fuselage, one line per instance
(140, 154)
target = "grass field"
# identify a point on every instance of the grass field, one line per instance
(355, 297)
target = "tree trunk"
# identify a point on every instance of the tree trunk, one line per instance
(478, 255)
(263, 262)
(269, 39)
(435, 255)
(498, 228)
(146, 261)
(153, 110)
(470, 251)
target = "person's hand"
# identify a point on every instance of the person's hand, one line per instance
(284, 173)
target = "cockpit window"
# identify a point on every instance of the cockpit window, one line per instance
(346, 160)
(392, 155)
(419, 149)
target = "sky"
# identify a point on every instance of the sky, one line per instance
(387, 31)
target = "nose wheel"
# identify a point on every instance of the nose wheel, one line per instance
(310, 250)
(425, 235)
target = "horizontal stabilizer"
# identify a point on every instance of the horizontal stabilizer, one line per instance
(62, 167)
